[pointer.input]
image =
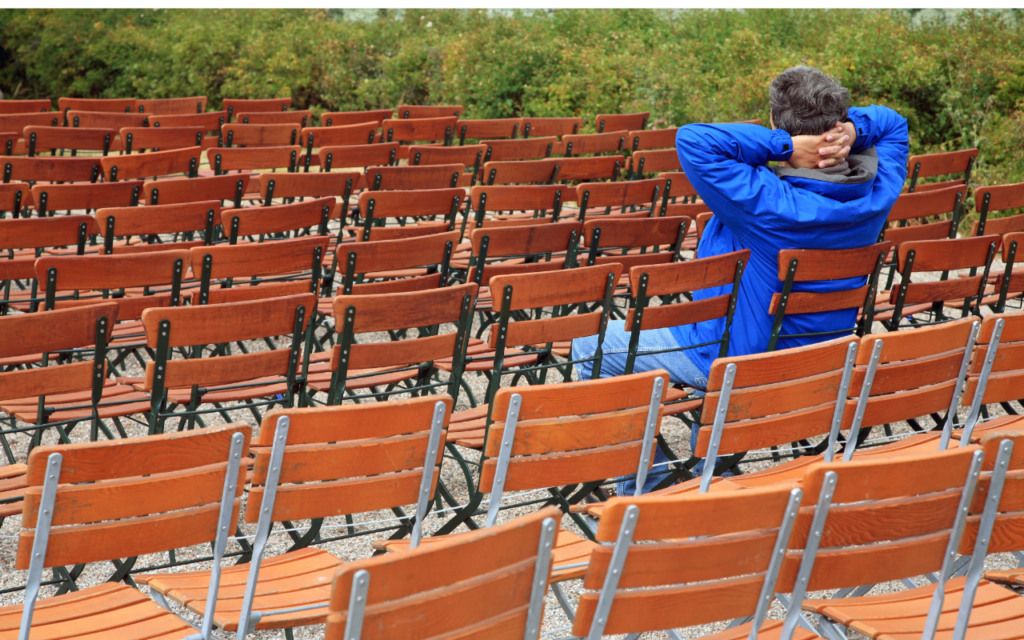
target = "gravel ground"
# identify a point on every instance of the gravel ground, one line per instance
(358, 547)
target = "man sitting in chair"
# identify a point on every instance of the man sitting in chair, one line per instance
(840, 171)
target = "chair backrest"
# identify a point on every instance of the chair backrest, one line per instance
(539, 199)
(14, 197)
(912, 374)
(239, 105)
(620, 121)
(174, 191)
(491, 129)
(151, 221)
(380, 205)
(7, 141)
(940, 164)
(632, 194)
(360, 133)
(943, 256)
(104, 120)
(774, 398)
(40, 139)
(278, 219)
(16, 122)
(819, 267)
(361, 314)
(260, 135)
(353, 156)
(308, 185)
(51, 169)
(151, 165)
(162, 138)
(419, 111)
(723, 550)
(419, 129)
(550, 170)
(281, 260)
(655, 161)
(528, 149)
(172, 106)
(538, 127)
(469, 155)
(660, 240)
(209, 121)
(341, 118)
(78, 196)
(921, 206)
(587, 144)
(503, 569)
(997, 369)
(536, 242)
(255, 158)
(25, 106)
(191, 483)
(368, 258)
(1009, 283)
(297, 118)
(652, 139)
(115, 105)
(570, 433)
(590, 169)
(439, 176)
(43, 233)
(998, 198)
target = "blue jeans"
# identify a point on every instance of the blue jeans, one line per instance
(613, 363)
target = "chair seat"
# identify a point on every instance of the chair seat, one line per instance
(107, 611)
(480, 357)
(295, 579)
(996, 613)
(73, 405)
(982, 429)
(12, 486)
(570, 549)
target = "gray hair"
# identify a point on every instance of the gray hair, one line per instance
(806, 102)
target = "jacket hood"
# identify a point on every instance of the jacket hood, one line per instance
(855, 181)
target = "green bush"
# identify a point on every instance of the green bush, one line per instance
(957, 76)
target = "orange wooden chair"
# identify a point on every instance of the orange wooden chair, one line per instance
(470, 156)
(26, 106)
(940, 164)
(348, 135)
(14, 197)
(521, 149)
(172, 106)
(616, 197)
(551, 170)
(513, 203)
(342, 118)
(415, 206)
(491, 129)
(146, 224)
(438, 176)
(314, 464)
(415, 111)
(593, 143)
(103, 119)
(259, 135)
(115, 105)
(53, 139)
(85, 196)
(249, 159)
(298, 118)
(226, 188)
(498, 576)
(139, 139)
(620, 121)
(24, 240)
(652, 139)
(538, 127)
(995, 375)
(150, 165)
(51, 169)
(88, 502)
(356, 156)
(242, 105)
(13, 125)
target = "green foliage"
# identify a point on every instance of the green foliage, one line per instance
(957, 76)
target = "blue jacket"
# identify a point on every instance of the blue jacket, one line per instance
(768, 209)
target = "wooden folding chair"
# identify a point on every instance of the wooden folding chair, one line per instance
(1001, 198)
(24, 240)
(682, 561)
(393, 266)
(565, 440)
(277, 374)
(141, 139)
(361, 156)
(26, 106)
(532, 202)
(172, 106)
(240, 105)
(298, 118)
(401, 130)
(620, 121)
(471, 156)
(15, 123)
(419, 111)
(224, 160)
(116, 105)
(86, 197)
(550, 170)
(908, 218)
(377, 207)
(15, 197)
(289, 186)
(538, 127)
(226, 188)
(636, 195)
(940, 164)
(1009, 284)
(51, 169)
(104, 119)
(63, 380)
(356, 134)
(594, 143)
(654, 161)
(314, 464)
(652, 139)
(257, 224)
(910, 298)
(528, 149)
(53, 139)
(152, 165)
(438, 176)
(88, 502)
(147, 224)
(509, 172)
(361, 371)
(527, 348)
(210, 121)
(342, 118)
(259, 135)
(837, 280)
(498, 575)
(995, 375)
(492, 129)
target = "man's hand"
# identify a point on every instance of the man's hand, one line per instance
(826, 150)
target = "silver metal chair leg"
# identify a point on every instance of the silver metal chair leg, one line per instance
(563, 601)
